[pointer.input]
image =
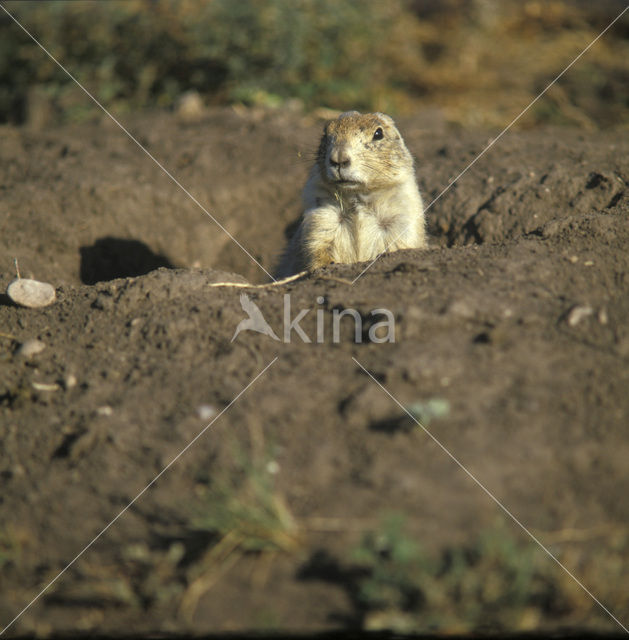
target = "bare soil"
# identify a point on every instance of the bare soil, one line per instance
(516, 317)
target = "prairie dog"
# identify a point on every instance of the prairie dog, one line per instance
(360, 199)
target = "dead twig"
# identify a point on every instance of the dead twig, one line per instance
(266, 285)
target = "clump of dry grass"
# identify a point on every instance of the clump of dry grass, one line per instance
(243, 513)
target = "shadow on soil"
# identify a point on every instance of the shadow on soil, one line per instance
(110, 258)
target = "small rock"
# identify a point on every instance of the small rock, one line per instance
(190, 107)
(206, 411)
(576, 314)
(30, 348)
(603, 318)
(104, 411)
(69, 381)
(31, 293)
(45, 386)
(272, 467)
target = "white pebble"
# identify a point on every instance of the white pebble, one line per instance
(206, 411)
(30, 347)
(578, 313)
(104, 411)
(31, 293)
(272, 467)
(45, 386)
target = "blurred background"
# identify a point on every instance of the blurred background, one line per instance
(478, 61)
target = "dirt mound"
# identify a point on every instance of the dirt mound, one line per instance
(508, 339)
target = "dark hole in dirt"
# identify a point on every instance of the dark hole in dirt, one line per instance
(110, 258)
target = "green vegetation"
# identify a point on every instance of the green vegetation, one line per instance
(499, 582)
(245, 507)
(480, 61)
(242, 513)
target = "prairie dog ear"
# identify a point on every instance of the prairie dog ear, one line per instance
(384, 117)
(348, 114)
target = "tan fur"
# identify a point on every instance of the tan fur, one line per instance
(361, 197)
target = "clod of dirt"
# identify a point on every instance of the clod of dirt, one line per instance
(30, 348)
(31, 293)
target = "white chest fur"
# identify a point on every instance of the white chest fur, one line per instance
(356, 227)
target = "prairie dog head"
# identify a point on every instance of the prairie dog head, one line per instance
(363, 153)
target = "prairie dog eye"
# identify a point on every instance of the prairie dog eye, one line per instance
(378, 134)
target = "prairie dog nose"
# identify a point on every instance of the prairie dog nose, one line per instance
(339, 157)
